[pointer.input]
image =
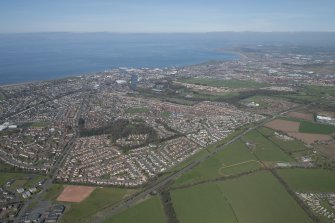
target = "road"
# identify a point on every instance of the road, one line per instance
(22, 110)
(55, 167)
(160, 184)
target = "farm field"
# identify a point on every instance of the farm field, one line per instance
(225, 83)
(289, 146)
(255, 198)
(265, 131)
(305, 131)
(202, 203)
(243, 167)
(328, 150)
(99, 199)
(266, 150)
(149, 211)
(283, 125)
(299, 115)
(309, 180)
(309, 138)
(292, 145)
(309, 127)
(260, 198)
(221, 164)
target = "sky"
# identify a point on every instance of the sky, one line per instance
(157, 16)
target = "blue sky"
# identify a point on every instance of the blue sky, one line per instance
(166, 16)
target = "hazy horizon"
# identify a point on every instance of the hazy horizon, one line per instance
(211, 32)
(149, 16)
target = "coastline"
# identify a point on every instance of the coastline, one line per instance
(226, 52)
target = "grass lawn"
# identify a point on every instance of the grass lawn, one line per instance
(99, 199)
(53, 192)
(225, 83)
(22, 179)
(260, 198)
(265, 149)
(149, 211)
(5, 167)
(309, 127)
(39, 124)
(202, 203)
(217, 165)
(17, 184)
(309, 180)
(34, 124)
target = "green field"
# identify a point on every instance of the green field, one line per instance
(4, 167)
(319, 90)
(99, 199)
(17, 184)
(2, 97)
(220, 164)
(310, 93)
(255, 198)
(265, 131)
(265, 149)
(260, 198)
(53, 192)
(189, 160)
(309, 127)
(34, 125)
(23, 179)
(149, 211)
(309, 180)
(202, 203)
(137, 110)
(240, 168)
(225, 83)
(166, 114)
(232, 135)
(288, 146)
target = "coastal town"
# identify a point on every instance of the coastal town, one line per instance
(131, 127)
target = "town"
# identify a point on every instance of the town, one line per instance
(129, 128)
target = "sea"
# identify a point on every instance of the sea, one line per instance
(29, 57)
(45, 56)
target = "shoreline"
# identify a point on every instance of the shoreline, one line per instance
(238, 56)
